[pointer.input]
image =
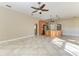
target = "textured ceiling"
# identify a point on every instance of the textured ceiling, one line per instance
(62, 9)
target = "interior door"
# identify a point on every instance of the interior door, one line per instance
(42, 24)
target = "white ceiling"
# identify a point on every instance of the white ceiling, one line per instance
(62, 9)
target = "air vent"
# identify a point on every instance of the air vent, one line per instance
(8, 6)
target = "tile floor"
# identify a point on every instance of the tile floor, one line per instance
(33, 46)
(72, 39)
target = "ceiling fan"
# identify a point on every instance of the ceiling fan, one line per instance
(40, 8)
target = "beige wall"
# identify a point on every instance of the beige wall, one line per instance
(14, 24)
(70, 26)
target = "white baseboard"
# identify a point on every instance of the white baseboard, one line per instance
(16, 39)
(71, 34)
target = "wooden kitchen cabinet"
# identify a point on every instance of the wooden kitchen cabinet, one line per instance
(54, 33)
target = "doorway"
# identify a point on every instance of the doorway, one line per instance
(35, 29)
(43, 31)
(42, 27)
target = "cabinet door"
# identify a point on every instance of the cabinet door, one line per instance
(59, 27)
(53, 33)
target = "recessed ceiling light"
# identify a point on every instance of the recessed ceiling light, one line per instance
(8, 6)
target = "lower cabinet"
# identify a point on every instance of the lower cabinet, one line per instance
(54, 33)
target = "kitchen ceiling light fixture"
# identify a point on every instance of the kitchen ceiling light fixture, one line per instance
(9, 6)
(51, 20)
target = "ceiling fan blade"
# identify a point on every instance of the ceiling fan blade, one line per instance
(45, 10)
(34, 11)
(35, 8)
(42, 6)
